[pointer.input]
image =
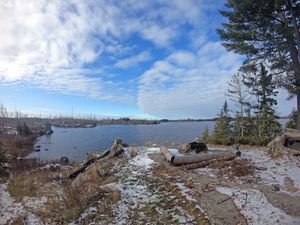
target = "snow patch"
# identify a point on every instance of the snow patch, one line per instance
(256, 208)
(276, 169)
(10, 210)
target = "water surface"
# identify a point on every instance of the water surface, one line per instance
(76, 142)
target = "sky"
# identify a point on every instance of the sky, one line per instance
(138, 59)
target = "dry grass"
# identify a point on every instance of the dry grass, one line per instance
(234, 168)
(87, 190)
(28, 183)
(165, 179)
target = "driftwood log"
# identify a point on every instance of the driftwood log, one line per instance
(198, 158)
(115, 150)
(74, 174)
(167, 154)
(206, 163)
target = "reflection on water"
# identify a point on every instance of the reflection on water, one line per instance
(76, 142)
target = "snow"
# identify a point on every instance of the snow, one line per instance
(276, 169)
(10, 210)
(257, 209)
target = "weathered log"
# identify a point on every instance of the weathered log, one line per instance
(197, 158)
(87, 163)
(206, 163)
(116, 149)
(167, 154)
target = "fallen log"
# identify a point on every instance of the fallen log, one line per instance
(87, 163)
(167, 154)
(198, 158)
(206, 163)
(115, 150)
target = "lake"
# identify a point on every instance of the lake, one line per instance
(76, 142)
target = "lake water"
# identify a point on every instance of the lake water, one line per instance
(76, 142)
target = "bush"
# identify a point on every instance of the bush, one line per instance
(2, 156)
(292, 120)
(23, 129)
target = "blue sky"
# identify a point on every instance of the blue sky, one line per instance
(142, 59)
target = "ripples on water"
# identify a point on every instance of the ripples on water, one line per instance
(76, 142)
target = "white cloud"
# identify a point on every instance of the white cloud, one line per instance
(49, 43)
(188, 84)
(133, 60)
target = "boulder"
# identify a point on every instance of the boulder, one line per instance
(64, 160)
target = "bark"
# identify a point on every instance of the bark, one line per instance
(206, 163)
(167, 154)
(298, 111)
(198, 158)
(87, 163)
(294, 52)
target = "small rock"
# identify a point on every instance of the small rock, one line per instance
(133, 152)
(64, 160)
(275, 187)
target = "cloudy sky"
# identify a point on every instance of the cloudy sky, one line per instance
(142, 59)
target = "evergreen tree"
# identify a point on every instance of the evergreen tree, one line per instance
(23, 129)
(292, 120)
(205, 135)
(2, 155)
(269, 32)
(222, 132)
(263, 88)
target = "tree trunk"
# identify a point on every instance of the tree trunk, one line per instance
(167, 154)
(206, 163)
(198, 158)
(298, 111)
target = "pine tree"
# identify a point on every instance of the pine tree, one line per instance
(222, 132)
(266, 32)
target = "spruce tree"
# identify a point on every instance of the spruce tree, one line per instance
(266, 32)
(291, 123)
(223, 132)
(263, 89)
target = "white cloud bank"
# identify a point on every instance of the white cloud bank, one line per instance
(188, 84)
(49, 43)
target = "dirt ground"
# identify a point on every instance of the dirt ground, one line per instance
(140, 187)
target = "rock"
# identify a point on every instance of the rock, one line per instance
(51, 167)
(236, 147)
(64, 160)
(275, 187)
(133, 152)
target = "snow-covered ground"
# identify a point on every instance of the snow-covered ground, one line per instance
(10, 210)
(256, 208)
(135, 193)
(277, 171)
